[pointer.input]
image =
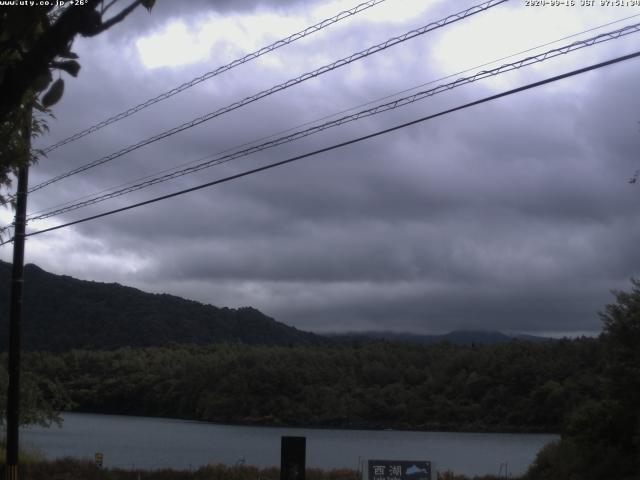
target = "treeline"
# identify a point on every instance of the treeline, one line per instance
(601, 437)
(519, 386)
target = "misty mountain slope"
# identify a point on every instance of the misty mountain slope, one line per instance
(456, 337)
(61, 313)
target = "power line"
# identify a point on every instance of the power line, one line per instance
(239, 61)
(78, 203)
(349, 118)
(75, 203)
(335, 114)
(311, 122)
(451, 75)
(346, 143)
(306, 76)
(163, 96)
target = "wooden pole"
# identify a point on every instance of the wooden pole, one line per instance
(15, 319)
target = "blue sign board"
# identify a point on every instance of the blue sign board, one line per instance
(399, 470)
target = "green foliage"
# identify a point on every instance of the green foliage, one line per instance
(20, 30)
(34, 42)
(42, 397)
(601, 437)
(621, 335)
(70, 66)
(556, 461)
(506, 387)
(54, 94)
(15, 149)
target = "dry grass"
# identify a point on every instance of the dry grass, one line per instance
(27, 455)
(452, 476)
(34, 467)
(74, 469)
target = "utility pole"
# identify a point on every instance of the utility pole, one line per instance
(15, 315)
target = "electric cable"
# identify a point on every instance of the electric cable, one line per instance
(346, 119)
(294, 81)
(53, 16)
(335, 114)
(221, 69)
(74, 204)
(344, 144)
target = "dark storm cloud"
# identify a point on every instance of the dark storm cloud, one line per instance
(462, 306)
(514, 215)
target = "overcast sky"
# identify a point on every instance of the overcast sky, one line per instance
(515, 215)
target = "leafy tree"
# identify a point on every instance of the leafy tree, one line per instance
(622, 339)
(42, 397)
(602, 435)
(35, 42)
(327, 384)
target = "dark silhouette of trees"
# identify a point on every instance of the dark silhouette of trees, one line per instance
(519, 386)
(601, 438)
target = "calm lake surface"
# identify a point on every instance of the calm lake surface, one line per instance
(139, 442)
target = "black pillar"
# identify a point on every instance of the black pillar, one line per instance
(293, 458)
(15, 321)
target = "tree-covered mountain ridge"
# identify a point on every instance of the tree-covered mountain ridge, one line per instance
(62, 313)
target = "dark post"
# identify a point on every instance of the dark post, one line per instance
(15, 318)
(292, 458)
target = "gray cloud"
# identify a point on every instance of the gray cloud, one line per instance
(514, 215)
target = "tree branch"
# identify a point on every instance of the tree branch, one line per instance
(115, 19)
(18, 78)
(109, 5)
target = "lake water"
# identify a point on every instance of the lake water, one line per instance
(140, 442)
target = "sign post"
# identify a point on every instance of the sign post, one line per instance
(399, 470)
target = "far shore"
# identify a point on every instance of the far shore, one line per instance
(269, 423)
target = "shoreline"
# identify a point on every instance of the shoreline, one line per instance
(435, 428)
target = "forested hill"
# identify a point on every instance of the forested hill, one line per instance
(61, 313)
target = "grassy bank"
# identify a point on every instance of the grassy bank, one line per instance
(27, 455)
(74, 469)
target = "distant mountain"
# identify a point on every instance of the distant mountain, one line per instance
(62, 313)
(532, 338)
(456, 337)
